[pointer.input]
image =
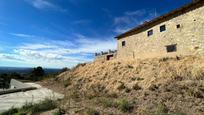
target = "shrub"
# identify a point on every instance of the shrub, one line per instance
(121, 86)
(195, 93)
(127, 90)
(124, 106)
(136, 87)
(67, 82)
(161, 110)
(129, 66)
(140, 79)
(45, 105)
(91, 112)
(164, 59)
(26, 108)
(180, 113)
(153, 87)
(11, 111)
(137, 78)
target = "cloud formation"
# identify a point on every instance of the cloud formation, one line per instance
(45, 4)
(22, 35)
(55, 53)
(131, 19)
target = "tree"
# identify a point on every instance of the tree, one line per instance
(5, 81)
(64, 69)
(16, 75)
(37, 73)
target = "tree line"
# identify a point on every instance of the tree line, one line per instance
(36, 74)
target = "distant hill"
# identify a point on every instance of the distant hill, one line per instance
(22, 70)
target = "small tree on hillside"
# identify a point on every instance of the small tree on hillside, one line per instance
(37, 73)
(4, 81)
(64, 69)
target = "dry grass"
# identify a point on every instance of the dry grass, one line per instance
(175, 82)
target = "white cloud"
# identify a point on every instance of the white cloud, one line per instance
(59, 53)
(10, 57)
(121, 29)
(22, 35)
(131, 19)
(38, 46)
(45, 4)
(42, 4)
(136, 13)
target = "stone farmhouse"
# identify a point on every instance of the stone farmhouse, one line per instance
(179, 32)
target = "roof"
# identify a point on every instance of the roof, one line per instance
(172, 14)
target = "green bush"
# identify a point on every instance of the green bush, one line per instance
(45, 105)
(124, 106)
(11, 111)
(180, 113)
(140, 79)
(161, 110)
(137, 78)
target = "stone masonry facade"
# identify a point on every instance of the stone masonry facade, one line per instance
(179, 34)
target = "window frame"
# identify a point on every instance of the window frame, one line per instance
(150, 32)
(162, 28)
(171, 48)
(123, 43)
(178, 26)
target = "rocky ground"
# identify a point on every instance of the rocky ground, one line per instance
(160, 86)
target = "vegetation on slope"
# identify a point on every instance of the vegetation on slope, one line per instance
(32, 109)
(163, 86)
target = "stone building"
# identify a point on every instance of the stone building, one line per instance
(179, 32)
(105, 56)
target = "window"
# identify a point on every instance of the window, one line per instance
(123, 43)
(162, 28)
(171, 48)
(150, 32)
(178, 26)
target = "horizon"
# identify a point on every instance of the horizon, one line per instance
(64, 33)
(29, 67)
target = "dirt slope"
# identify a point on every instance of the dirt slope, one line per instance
(111, 74)
(175, 83)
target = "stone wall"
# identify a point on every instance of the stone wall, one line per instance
(189, 38)
(105, 57)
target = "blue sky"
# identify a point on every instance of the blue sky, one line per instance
(62, 33)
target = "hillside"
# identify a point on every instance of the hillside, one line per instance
(150, 86)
